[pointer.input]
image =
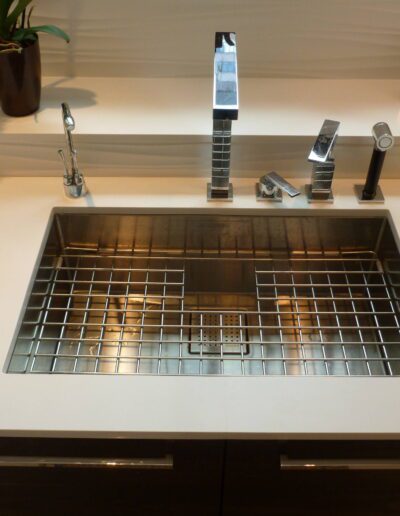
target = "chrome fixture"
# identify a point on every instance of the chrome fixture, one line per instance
(321, 156)
(74, 182)
(270, 188)
(200, 294)
(384, 140)
(312, 464)
(225, 109)
(23, 461)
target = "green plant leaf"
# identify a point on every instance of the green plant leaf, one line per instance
(22, 34)
(16, 13)
(4, 8)
(51, 29)
(31, 33)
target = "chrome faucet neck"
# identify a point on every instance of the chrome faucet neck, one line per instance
(74, 183)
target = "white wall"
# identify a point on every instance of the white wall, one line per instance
(276, 38)
(174, 38)
(130, 155)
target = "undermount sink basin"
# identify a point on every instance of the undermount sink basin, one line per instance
(200, 294)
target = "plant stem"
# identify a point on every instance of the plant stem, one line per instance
(13, 29)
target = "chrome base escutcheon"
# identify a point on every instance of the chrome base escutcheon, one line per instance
(219, 195)
(379, 198)
(260, 196)
(313, 199)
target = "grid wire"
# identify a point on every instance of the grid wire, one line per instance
(305, 314)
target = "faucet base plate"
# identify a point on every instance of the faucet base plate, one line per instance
(75, 191)
(219, 195)
(277, 197)
(312, 198)
(379, 198)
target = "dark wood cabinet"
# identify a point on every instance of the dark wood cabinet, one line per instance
(192, 486)
(207, 478)
(257, 483)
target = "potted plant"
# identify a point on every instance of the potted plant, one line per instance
(20, 67)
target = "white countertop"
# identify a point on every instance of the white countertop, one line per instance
(140, 406)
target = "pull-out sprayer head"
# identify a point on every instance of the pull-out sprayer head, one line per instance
(383, 141)
(383, 137)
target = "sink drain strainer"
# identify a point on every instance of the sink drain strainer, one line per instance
(211, 333)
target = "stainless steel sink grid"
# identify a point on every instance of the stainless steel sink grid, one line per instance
(186, 294)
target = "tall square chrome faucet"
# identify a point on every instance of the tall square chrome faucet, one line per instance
(225, 109)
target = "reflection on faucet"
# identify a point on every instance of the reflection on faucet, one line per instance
(225, 109)
(74, 183)
(271, 186)
(321, 156)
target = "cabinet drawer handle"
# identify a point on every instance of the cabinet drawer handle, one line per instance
(338, 464)
(85, 462)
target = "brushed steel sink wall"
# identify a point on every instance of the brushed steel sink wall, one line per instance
(180, 294)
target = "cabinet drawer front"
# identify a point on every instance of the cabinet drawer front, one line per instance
(314, 478)
(109, 477)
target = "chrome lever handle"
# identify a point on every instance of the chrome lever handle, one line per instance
(67, 175)
(281, 183)
(323, 163)
(326, 139)
(271, 185)
(74, 161)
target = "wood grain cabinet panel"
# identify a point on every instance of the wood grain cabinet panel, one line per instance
(192, 486)
(256, 484)
(229, 478)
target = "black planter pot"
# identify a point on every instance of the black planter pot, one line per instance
(21, 80)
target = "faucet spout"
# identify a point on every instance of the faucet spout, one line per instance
(69, 126)
(225, 109)
(74, 183)
(226, 91)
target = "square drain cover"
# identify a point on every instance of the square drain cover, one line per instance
(209, 331)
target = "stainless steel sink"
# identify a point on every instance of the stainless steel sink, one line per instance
(195, 294)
